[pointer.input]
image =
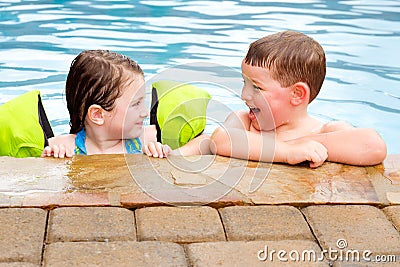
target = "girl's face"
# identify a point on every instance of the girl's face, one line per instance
(126, 119)
(267, 100)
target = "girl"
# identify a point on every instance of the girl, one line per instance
(105, 98)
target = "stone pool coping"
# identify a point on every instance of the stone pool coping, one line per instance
(96, 214)
(134, 181)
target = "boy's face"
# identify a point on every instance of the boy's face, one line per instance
(130, 110)
(267, 100)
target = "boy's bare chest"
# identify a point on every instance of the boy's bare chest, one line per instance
(298, 133)
(310, 127)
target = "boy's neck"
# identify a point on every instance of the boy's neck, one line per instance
(298, 126)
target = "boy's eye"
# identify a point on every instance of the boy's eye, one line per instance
(256, 87)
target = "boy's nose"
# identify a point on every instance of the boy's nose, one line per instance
(246, 96)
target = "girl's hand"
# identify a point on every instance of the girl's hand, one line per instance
(60, 146)
(157, 150)
(57, 151)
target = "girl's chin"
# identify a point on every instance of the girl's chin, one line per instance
(132, 135)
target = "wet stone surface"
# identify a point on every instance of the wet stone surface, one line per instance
(137, 180)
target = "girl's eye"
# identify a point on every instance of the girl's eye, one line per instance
(136, 103)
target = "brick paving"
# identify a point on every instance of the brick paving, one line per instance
(179, 224)
(114, 254)
(96, 222)
(249, 253)
(393, 213)
(91, 224)
(362, 227)
(247, 223)
(195, 236)
(21, 234)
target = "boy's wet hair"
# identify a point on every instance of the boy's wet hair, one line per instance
(96, 77)
(291, 57)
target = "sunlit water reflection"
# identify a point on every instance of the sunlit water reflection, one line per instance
(39, 39)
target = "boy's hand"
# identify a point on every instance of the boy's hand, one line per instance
(57, 151)
(157, 150)
(306, 150)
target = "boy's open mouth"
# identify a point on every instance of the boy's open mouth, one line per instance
(252, 113)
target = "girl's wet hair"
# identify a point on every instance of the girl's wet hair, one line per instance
(96, 77)
(291, 57)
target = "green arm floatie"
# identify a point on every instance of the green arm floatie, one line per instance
(24, 127)
(179, 111)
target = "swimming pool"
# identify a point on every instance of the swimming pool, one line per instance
(39, 39)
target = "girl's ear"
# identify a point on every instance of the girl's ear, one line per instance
(300, 93)
(96, 114)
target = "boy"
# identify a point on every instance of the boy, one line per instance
(282, 74)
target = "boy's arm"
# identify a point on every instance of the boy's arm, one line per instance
(197, 146)
(149, 134)
(349, 145)
(235, 140)
(231, 139)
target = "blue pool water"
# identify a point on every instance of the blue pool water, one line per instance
(39, 39)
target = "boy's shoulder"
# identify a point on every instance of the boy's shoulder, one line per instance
(334, 126)
(238, 119)
(243, 114)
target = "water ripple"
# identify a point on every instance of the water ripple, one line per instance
(39, 39)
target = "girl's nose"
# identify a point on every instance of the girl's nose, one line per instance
(144, 112)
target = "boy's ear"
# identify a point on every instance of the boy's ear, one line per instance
(300, 93)
(96, 114)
